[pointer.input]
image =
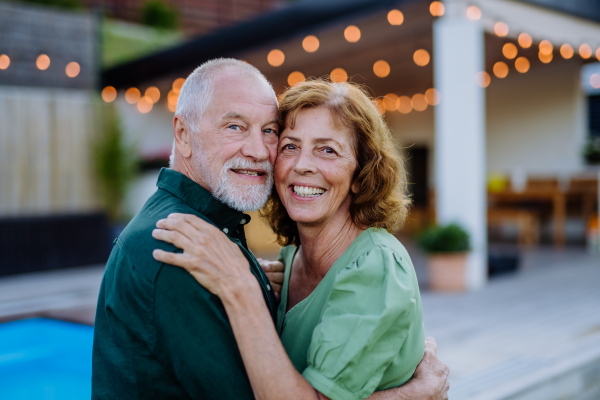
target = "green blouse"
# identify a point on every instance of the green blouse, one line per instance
(361, 329)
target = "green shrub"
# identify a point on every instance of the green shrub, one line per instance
(450, 238)
(159, 14)
(591, 151)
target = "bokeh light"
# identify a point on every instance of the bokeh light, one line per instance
(437, 9)
(395, 17)
(42, 62)
(276, 57)
(433, 97)
(172, 106)
(545, 58)
(177, 84)
(421, 57)
(566, 51)
(473, 13)
(144, 105)
(352, 34)
(509, 50)
(132, 95)
(500, 69)
(598, 53)
(295, 78)
(404, 105)
(310, 44)
(153, 94)
(418, 101)
(109, 94)
(381, 68)
(483, 79)
(380, 105)
(501, 29)
(595, 81)
(338, 75)
(522, 65)
(72, 69)
(390, 101)
(585, 51)
(525, 40)
(4, 61)
(546, 47)
(172, 98)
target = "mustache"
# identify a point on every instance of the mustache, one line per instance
(242, 163)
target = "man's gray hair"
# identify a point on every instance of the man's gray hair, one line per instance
(197, 90)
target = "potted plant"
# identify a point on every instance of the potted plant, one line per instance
(447, 248)
(591, 150)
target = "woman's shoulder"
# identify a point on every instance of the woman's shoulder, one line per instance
(377, 242)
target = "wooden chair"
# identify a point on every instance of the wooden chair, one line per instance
(527, 222)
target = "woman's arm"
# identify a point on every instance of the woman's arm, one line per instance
(218, 265)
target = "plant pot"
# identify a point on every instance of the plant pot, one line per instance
(447, 272)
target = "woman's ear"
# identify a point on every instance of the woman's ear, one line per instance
(355, 186)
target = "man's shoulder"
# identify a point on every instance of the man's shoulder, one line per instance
(136, 240)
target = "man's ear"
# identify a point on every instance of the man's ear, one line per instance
(183, 137)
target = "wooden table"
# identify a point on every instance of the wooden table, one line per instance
(554, 196)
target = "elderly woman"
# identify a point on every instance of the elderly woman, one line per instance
(350, 318)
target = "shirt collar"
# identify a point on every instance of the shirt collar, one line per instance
(201, 200)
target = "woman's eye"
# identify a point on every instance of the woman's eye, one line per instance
(329, 150)
(288, 147)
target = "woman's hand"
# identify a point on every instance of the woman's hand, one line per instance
(274, 271)
(213, 260)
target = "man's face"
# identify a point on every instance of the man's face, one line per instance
(236, 145)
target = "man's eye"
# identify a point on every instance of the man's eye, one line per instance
(235, 127)
(269, 130)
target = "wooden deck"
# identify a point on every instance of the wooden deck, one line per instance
(533, 335)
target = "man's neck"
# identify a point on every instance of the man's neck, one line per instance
(185, 168)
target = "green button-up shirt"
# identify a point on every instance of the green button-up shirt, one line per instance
(158, 333)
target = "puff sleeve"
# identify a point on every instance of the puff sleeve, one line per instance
(364, 325)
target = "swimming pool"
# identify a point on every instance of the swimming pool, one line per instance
(44, 359)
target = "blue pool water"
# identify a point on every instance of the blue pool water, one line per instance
(44, 359)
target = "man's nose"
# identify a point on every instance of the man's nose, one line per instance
(255, 146)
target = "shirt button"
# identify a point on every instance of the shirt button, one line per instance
(268, 287)
(226, 230)
(243, 221)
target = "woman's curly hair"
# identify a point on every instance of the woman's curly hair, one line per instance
(381, 200)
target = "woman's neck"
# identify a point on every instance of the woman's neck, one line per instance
(322, 245)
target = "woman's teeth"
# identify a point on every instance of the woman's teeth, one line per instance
(251, 173)
(304, 191)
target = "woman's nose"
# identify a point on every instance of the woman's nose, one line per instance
(305, 164)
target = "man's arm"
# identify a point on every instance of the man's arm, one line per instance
(194, 336)
(429, 382)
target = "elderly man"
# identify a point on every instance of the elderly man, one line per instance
(158, 334)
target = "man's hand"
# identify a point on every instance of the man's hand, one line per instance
(274, 271)
(430, 379)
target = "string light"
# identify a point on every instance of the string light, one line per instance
(4, 61)
(421, 57)
(437, 9)
(546, 47)
(338, 75)
(275, 57)
(585, 51)
(295, 78)
(132, 95)
(42, 62)
(310, 44)
(153, 94)
(566, 51)
(483, 79)
(522, 65)
(500, 69)
(72, 69)
(501, 29)
(352, 34)
(433, 97)
(473, 13)
(109, 94)
(598, 53)
(172, 98)
(509, 50)
(404, 104)
(381, 68)
(545, 58)
(595, 81)
(144, 105)
(525, 40)
(177, 84)
(395, 17)
(390, 101)
(419, 103)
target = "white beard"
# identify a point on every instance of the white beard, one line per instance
(243, 197)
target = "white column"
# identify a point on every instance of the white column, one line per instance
(460, 165)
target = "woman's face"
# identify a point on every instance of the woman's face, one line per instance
(314, 168)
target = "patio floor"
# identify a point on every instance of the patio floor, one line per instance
(520, 337)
